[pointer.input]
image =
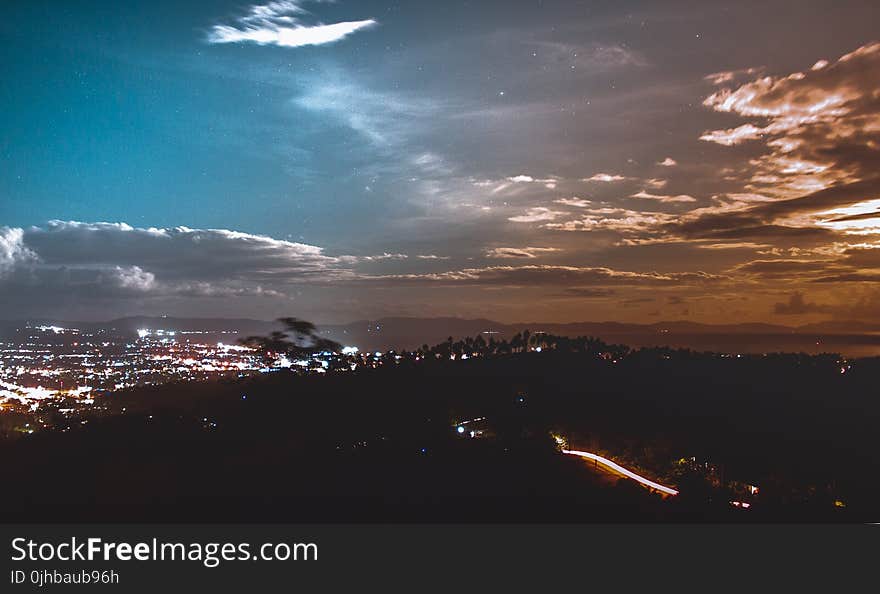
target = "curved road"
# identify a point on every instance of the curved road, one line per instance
(611, 465)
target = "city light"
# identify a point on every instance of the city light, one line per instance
(40, 369)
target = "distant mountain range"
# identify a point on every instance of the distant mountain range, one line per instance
(412, 332)
(408, 333)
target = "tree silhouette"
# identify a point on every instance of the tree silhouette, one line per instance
(298, 339)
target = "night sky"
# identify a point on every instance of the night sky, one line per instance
(522, 161)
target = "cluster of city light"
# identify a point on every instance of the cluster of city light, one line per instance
(42, 366)
(57, 330)
(52, 367)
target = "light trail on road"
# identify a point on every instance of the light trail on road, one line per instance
(621, 470)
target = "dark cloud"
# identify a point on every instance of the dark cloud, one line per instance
(783, 267)
(636, 301)
(112, 262)
(856, 217)
(797, 305)
(176, 254)
(860, 257)
(588, 292)
(849, 277)
(864, 307)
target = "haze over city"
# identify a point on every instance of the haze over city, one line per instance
(556, 160)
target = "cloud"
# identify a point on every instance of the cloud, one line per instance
(830, 264)
(821, 126)
(803, 221)
(134, 278)
(548, 182)
(516, 184)
(605, 177)
(742, 245)
(544, 275)
(104, 261)
(797, 305)
(738, 225)
(660, 198)
(782, 268)
(537, 214)
(431, 257)
(384, 256)
(587, 292)
(736, 135)
(574, 201)
(668, 162)
(526, 252)
(387, 119)
(619, 220)
(817, 179)
(860, 218)
(589, 58)
(635, 302)
(281, 23)
(181, 251)
(726, 76)
(12, 250)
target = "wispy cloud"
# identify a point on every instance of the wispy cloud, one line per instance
(537, 214)
(663, 198)
(284, 24)
(549, 182)
(574, 201)
(605, 177)
(431, 257)
(726, 76)
(590, 58)
(519, 253)
(547, 275)
(384, 118)
(616, 220)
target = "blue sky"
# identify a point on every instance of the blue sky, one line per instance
(567, 160)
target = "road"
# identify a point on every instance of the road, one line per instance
(615, 467)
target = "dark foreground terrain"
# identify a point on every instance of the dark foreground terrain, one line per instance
(791, 435)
